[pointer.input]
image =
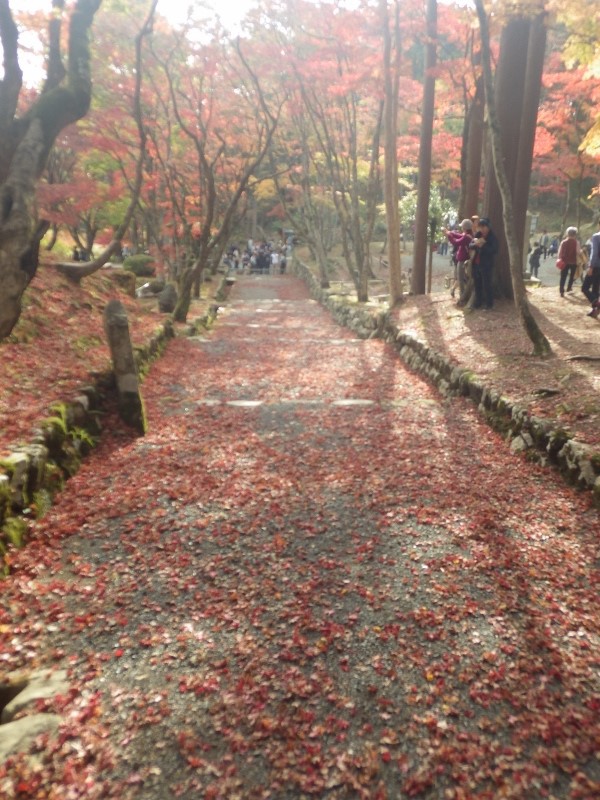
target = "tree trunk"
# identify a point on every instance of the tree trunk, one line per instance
(53, 237)
(541, 346)
(390, 123)
(418, 277)
(185, 295)
(473, 151)
(321, 257)
(531, 100)
(509, 94)
(26, 143)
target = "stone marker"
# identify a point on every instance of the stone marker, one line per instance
(129, 399)
(167, 299)
(18, 736)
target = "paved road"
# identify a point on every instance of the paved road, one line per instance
(312, 578)
(548, 274)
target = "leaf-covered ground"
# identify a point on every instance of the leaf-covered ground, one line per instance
(58, 346)
(495, 346)
(312, 578)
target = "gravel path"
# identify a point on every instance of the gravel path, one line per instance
(312, 578)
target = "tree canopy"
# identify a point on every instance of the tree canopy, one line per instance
(283, 124)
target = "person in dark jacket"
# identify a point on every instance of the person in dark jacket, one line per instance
(486, 244)
(534, 258)
(591, 282)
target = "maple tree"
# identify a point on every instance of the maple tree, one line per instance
(28, 138)
(322, 168)
(77, 271)
(333, 65)
(582, 49)
(562, 168)
(79, 191)
(218, 107)
(304, 201)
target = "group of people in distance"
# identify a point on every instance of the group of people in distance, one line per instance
(259, 257)
(474, 247)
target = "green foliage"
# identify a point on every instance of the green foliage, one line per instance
(14, 530)
(42, 502)
(60, 421)
(61, 250)
(440, 209)
(141, 265)
(84, 343)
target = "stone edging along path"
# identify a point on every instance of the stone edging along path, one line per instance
(33, 473)
(541, 439)
(38, 470)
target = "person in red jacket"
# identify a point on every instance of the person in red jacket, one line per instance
(568, 252)
(460, 241)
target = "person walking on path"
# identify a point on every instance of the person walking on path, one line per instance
(591, 282)
(486, 244)
(275, 259)
(534, 259)
(568, 253)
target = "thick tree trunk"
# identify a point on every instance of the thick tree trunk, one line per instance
(541, 346)
(472, 155)
(509, 94)
(26, 143)
(418, 278)
(531, 100)
(184, 301)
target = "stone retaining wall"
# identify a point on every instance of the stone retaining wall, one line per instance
(541, 439)
(32, 474)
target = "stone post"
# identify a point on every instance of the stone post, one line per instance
(130, 403)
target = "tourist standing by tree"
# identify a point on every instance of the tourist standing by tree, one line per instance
(460, 241)
(567, 253)
(591, 282)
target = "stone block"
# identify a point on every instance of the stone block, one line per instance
(40, 686)
(18, 736)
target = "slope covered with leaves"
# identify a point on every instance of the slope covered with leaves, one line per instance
(312, 578)
(58, 346)
(564, 388)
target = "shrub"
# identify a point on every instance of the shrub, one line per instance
(141, 265)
